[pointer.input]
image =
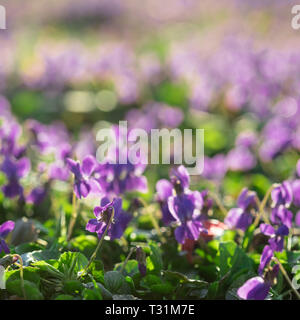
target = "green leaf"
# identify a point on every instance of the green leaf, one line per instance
(72, 287)
(85, 243)
(155, 257)
(91, 294)
(39, 255)
(47, 268)
(162, 288)
(29, 273)
(70, 263)
(102, 290)
(115, 282)
(31, 290)
(130, 269)
(97, 270)
(149, 281)
(233, 260)
(213, 290)
(27, 247)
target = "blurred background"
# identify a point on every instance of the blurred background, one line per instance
(229, 67)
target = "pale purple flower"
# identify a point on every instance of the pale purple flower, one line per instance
(240, 159)
(246, 139)
(215, 167)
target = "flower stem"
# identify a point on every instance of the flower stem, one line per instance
(262, 206)
(286, 277)
(21, 275)
(150, 211)
(74, 216)
(126, 260)
(93, 256)
(219, 203)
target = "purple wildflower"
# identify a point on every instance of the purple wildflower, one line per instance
(281, 215)
(215, 167)
(37, 195)
(118, 178)
(164, 190)
(5, 229)
(282, 195)
(240, 159)
(257, 288)
(14, 170)
(186, 209)
(180, 179)
(84, 180)
(296, 192)
(276, 240)
(241, 217)
(103, 215)
(254, 289)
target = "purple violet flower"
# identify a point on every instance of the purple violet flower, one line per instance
(282, 195)
(5, 229)
(254, 289)
(241, 217)
(164, 190)
(103, 215)
(276, 240)
(186, 209)
(180, 179)
(257, 288)
(37, 195)
(84, 181)
(281, 215)
(215, 167)
(14, 170)
(240, 159)
(296, 192)
(265, 258)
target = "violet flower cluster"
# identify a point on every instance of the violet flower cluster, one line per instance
(258, 288)
(242, 216)
(181, 205)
